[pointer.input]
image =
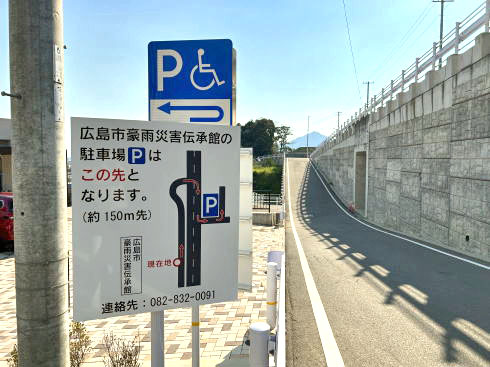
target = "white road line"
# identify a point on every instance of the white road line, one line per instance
(330, 348)
(394, 235)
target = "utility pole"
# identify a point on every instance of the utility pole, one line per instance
(367, 97)
(307, 139)
(441, 27)
(338, 120)
(39, 181)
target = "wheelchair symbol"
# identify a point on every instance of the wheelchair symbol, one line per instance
(204, 68)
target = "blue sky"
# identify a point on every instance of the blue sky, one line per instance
(293, 56)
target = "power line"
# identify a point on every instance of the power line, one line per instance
(421, 33)
(395, 59)
(351, 51)
(405, 37)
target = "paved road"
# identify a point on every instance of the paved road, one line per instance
(388, 302)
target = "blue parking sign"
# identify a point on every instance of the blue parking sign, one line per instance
(191, 81)
(210, 205)
(136, 155)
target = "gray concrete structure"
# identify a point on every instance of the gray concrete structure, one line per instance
(38, 151)
(428, 154)
(266, 219)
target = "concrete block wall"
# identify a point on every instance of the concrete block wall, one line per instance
(338, 166)
(428, 157)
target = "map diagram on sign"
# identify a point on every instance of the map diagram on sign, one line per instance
(189, 242)
(143, 196)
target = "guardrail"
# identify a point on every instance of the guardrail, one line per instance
(466, 30)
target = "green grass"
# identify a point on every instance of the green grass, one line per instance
(267, 178)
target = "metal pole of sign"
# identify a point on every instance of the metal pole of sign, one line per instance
(157, 342)
(195, 336)
(67, 198)
(157, 333)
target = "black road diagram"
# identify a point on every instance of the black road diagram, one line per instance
(189, 243)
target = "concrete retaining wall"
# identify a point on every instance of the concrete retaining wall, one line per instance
(428, 156)
(266, 219)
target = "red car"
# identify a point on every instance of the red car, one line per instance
(6, 217)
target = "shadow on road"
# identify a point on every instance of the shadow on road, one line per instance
(445, 297)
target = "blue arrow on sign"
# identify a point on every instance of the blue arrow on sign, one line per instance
(167, 108)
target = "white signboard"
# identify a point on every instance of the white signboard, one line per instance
(155, 215)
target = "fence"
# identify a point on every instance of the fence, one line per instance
(274, 157)
(263, 199)
(458, 39)
(280, 157)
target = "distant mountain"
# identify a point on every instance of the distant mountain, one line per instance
(314, 139)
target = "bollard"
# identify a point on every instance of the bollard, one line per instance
(195, 337)
(259, 344)
(271, 293)
(275, 257)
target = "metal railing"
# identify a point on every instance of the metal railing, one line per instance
(263, 199)
(464, 31)
(270, 156)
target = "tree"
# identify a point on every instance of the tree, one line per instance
(259, 135)
(282, 133)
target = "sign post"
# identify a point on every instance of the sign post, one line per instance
(192, 81)
(157, 339)
(144, 237)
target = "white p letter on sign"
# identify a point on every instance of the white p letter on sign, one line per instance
(161, 73)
